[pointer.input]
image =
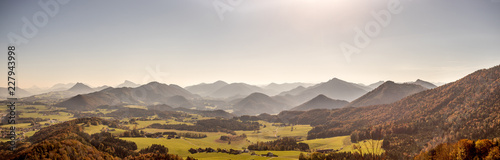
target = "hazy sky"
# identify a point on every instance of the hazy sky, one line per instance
(259, 41)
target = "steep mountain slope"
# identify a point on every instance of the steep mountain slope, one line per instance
(205, 89)
(257, 103)
(151, 93)
(386, 93)
(235, 89)
(425, 84)
(335, 88)
(320, 102)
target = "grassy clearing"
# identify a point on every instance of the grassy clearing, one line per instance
(62, 116)
(270, 132)
(181, 146)
(136, 106)
(344, 144)
(18, 125)
(103, 111)
(282, 155)
(367, 146)
(97, 129)
(144, 124)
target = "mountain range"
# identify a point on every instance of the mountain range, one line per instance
(335, 89)
(148, 94)
(223, 90)
(240, 97)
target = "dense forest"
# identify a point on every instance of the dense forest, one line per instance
(464, 149)
(282, 144)
(340, 155)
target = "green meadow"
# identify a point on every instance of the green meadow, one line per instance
(268, 133)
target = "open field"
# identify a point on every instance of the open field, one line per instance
(344, 144)
(181, 146)
(97, 129)
(33, 111)
(270, 132)
(144, 124)
(18, 125)
(282, 155)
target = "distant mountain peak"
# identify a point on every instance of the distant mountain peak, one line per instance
(335, 79)
(78, 85)
(321, 96)
(321, 102)
(154, 82)
(338, 81)
(388, 82)
(220, 82)
(80, 88)
(425, 84)
(127, 83)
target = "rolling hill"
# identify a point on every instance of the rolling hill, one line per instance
(387, 93)
(320, 102)
(257, 103)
